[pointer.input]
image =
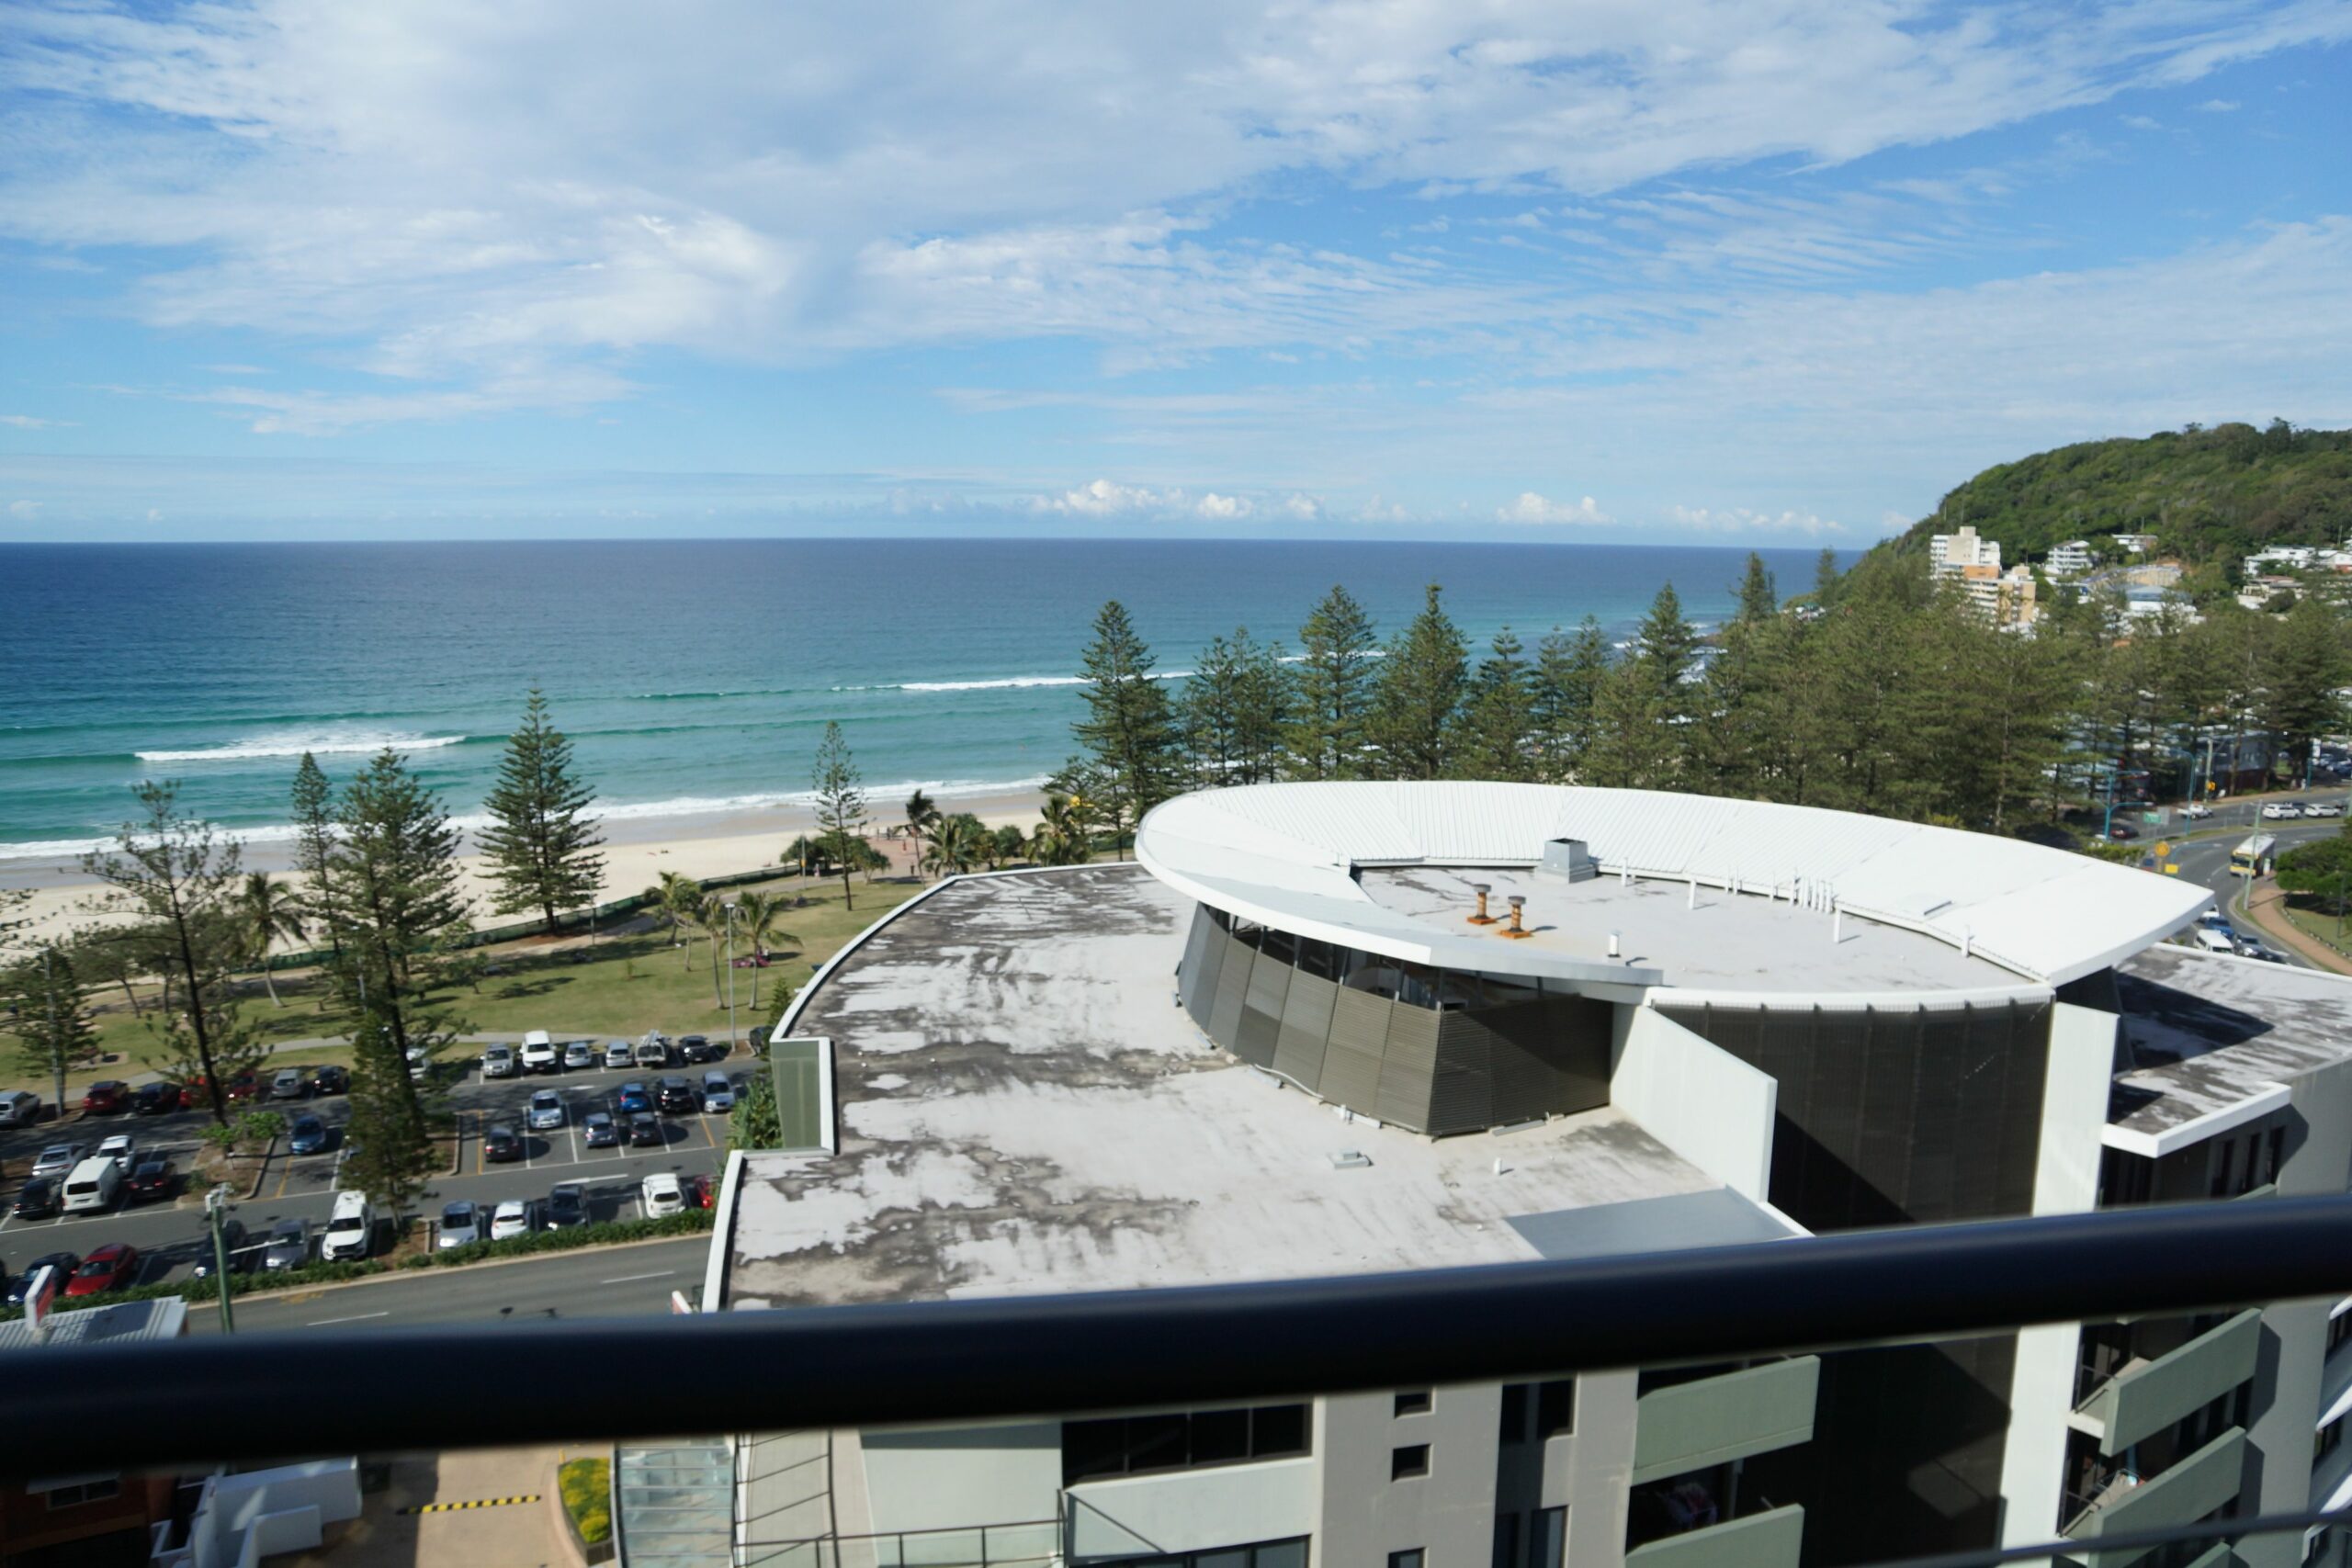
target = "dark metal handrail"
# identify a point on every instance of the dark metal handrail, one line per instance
(150, 1405)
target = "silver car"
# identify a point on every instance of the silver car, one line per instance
(579, 1053)
(547, 1112)
(288, 1246)
(58, 1158)
(717, 1093)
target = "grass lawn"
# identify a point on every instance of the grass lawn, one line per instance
(2317, 924)
(618, 989)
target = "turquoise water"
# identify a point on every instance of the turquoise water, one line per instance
(693, 676)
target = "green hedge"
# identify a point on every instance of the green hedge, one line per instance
(587, 1488)
(687, 1224)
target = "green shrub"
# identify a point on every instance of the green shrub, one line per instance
(587, 1488)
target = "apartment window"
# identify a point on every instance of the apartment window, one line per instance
(1289, 1553)
(73, 1494)
(1414, 1402)
(1555, 1408)
(1133, 1445)
(2226, 1159)
(2125, 1178)
(1513, 1429)
(2339, 1329)
(1547, 1543)
(1408, 1462)
(1411, 1558)
(2324, 1440)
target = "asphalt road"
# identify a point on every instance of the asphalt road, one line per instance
(600, 1281)
(171, 1237)
(2206, 861)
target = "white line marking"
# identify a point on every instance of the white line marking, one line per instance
(359, 1317)
(633, 1279)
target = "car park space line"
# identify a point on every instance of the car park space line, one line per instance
(633, 1279)
(355, 1318)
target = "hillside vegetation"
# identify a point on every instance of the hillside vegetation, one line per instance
(2209, 496)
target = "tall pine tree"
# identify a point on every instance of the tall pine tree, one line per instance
(1134, 750)
(49, 1014)
(840, 803)
(1497, 721)
(1422, 683)
(314, 802)
(541, 844)
(1569, 669)
(1334, 694)
(1234, 706)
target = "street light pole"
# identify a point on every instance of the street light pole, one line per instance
(731, 977)
(215, 1203)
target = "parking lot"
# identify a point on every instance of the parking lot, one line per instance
(171, 1236)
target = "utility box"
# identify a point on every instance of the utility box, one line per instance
(1568, 858)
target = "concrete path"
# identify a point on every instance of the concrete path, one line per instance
(519, 1535)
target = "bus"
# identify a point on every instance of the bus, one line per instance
(2250, 857)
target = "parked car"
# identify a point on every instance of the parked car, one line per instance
(566, 1206)
(289, 1084)
(498, 1062)
(579, 1053)
(540, 1055)
(307, 1136)
(232, 1241)
(717, 1093)
(58, 1158)
(653, 1051)
(243, 1086)
(2249, 948)
(618, 1057)
(65, 1263)
(288, 1245)
(645, 1131)
(700, 1190)
(597, 1130)
(331, 1080)
(158, 1100)
(2323, 808)
(2196, 810)
(37, 1200)
(663, 1196)
(107, 1097)
(152, 1178)
(18, 1108)
(500, 1144)
(121, 1148)
(675, 1096)
(113, 1266)
(632, 1099)
(351, 1230)
(511, 1218)
(91, 1187)
(547, 1112)
(693, 1048)
(420, 1063)
(2281, 811)
(461, 1222)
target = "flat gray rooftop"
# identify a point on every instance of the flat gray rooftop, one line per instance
(2212, 1032)
(1025, 1108)
(1740, 942)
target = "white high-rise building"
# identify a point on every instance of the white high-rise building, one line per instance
(1954, 552)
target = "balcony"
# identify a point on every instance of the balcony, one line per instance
(2189, 1490)
(1689, 1426)
(1760, 1540)
(2145, 1397)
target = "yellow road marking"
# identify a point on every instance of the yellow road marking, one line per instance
(476, 1503)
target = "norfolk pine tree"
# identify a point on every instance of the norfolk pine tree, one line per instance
(1332, 694)
(541, 844)
(840, 802)
(314, 803)
(1422, 683)
(1569, 669)
(49, 1015)
(170, 871)
(1235, 706)
(1496, 737)
(1133, 746)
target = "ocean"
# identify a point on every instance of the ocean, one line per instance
(693, 676)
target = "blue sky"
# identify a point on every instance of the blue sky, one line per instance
(1773, 273)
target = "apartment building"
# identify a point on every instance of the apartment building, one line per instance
(1954, 551)
(2071, 559)
(1332, 1029)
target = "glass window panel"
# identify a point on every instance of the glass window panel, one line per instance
(1547, 1543)
(1282, 1554)
(1093, 1448)
(1555, 1407)
(1412, 1402)
(1408, 1462)
(1277, 1429)
(1156, 1443)
(1513, 1427)
(1220, 1437)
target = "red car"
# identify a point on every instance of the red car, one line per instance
(107, 1097)
(111, 1268)
(700, 1191)
(244, 1085)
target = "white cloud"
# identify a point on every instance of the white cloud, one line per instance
(1743, 520)
(2217, 105)
(1305, 508)
(498, 206)
(25, 422)
(1223, 507)
(24, 511)
(155, 514)
(2142, 122)
(1106, 498)
(1533, 508)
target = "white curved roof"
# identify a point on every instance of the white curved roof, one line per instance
(1287, 854)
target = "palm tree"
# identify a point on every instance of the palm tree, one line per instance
(958, 845)
(268, 909)
(711, 914)
(675, 898)
(1010, 844)
(921, 812)
(757, 913)
(1060, 839)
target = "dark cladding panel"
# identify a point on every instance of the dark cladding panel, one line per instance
(1351, 1060)
(1196, 977)
(1462, 1095)
(1232, 988)
(1261, 1010)
(1307, 1022)
(1408, 1066)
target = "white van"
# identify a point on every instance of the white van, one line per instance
(540, 1052)
(2214, 941)
(18, 1108)
(351, 1233)
(91, 1186)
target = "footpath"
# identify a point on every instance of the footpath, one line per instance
(2264, 905)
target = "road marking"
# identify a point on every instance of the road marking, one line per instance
(633, 1279)
(704, 1120)
(475, 1503)
(357, 1317)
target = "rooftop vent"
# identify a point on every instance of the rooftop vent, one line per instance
(1568, 858)
(1518, 907)
(1350, 1159)
(1482, 918)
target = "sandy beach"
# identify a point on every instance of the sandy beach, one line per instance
(637, 850)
